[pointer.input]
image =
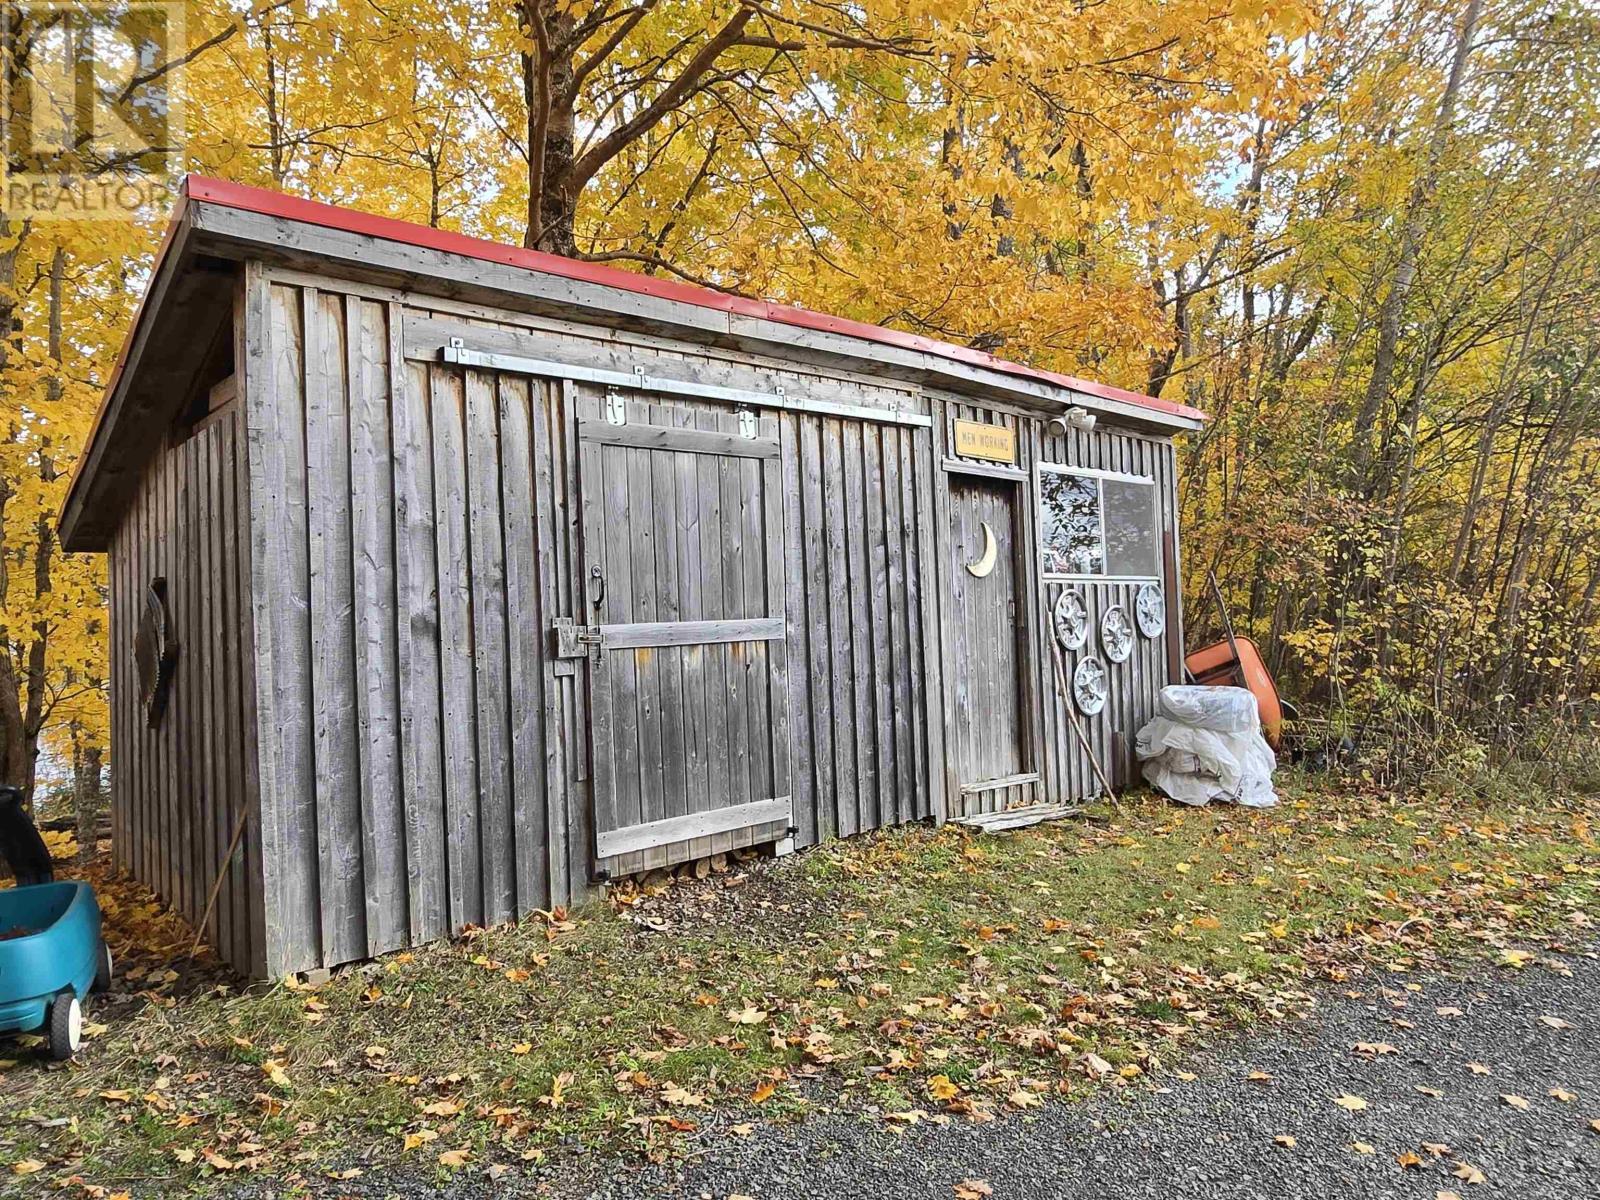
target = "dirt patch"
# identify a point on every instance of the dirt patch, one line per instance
(767, 899)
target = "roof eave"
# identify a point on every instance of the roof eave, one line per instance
(75, 506)
(502, 277)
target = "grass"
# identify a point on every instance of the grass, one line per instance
(911, 975)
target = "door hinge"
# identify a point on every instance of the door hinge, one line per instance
(574, 640)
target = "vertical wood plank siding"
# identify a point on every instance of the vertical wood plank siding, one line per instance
(411, 530)
(1134, 685)
(179, 788)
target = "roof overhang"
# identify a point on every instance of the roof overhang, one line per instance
(216, 221)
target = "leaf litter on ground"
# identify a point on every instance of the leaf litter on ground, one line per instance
(905, 973)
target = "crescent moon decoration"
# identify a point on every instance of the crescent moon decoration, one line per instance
(1150, 610)
(1089, 686)
(1116, 634)
(990, 555)
(1071, 620)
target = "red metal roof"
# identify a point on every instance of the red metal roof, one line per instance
(312, 212)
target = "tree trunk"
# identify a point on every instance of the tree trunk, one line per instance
(1392, 311)
(86, 793)
(548, 92)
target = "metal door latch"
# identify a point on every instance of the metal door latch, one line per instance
(616, 408)
(747, 422)
(574, 640)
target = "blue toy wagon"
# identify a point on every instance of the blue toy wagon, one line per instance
(51, 956)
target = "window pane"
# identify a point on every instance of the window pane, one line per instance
(1071, 533)
(1131, 534)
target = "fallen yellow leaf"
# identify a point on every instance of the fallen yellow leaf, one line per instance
(1285, 1139)
(1351, 1103)
(455, 1158)
(420, 1138)
(1467, 1172)
(27, 1166)
(557, 1094)
(1373, 1049)
(681, 1097)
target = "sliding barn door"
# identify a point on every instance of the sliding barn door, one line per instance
(684, 629)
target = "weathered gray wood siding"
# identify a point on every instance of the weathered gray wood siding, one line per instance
(863, 673)
(426, 759)
(1054, 751)
(412, 541)
(178, 788)
(1136, 683)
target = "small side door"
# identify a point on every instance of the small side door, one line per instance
(989, 739)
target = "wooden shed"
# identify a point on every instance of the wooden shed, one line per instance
(462, 578)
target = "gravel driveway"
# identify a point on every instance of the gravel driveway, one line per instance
(1224, 1135)
(1481, 1087)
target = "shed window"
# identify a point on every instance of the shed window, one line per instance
(1098, 524)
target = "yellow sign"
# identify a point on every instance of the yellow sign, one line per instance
(993, 442)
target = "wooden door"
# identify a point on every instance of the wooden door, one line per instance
(684, 628)
(988, 734)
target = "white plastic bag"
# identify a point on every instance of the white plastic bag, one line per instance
(1206, 745)
(1223, 709)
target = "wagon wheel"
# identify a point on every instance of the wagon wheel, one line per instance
(1150, 610)
(1071, 620)
(64, 1026)
(1116, 634)
(1089, 686)
(103, 969)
